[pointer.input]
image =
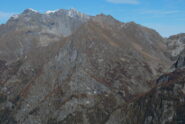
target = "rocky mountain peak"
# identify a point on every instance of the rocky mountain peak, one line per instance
(27, 12)
(177, 36)
(105, 18)
(73, 13)
(30, 11)
(58, 22)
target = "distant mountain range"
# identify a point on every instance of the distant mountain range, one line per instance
(66, 67)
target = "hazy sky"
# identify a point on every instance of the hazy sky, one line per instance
(165, 16)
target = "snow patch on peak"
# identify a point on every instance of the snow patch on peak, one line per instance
(51, 11)
(33, 10)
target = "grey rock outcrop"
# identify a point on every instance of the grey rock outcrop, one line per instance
(180, 63)
(176, 45)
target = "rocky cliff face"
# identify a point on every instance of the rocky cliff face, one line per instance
(164, 104)
(64, 67)
(176, 50)
(176, 45)
(180, 63)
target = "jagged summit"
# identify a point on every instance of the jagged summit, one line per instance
(30, 10)
(70, 12)
(73, 13)
(26, 12)
(59, 22)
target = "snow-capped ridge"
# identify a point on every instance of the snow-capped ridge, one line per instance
(71, 13)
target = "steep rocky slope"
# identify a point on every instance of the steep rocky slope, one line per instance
(164, 104)
(176, 45)
(180, 63)
(82, 74)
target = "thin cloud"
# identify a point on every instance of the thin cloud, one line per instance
(160, 12)
(5, 14)
(124, 1)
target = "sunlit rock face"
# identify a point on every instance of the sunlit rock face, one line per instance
(64, 67)
(31, 29)
(60, 22)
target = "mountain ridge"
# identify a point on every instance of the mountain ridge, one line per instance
(76, 70)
